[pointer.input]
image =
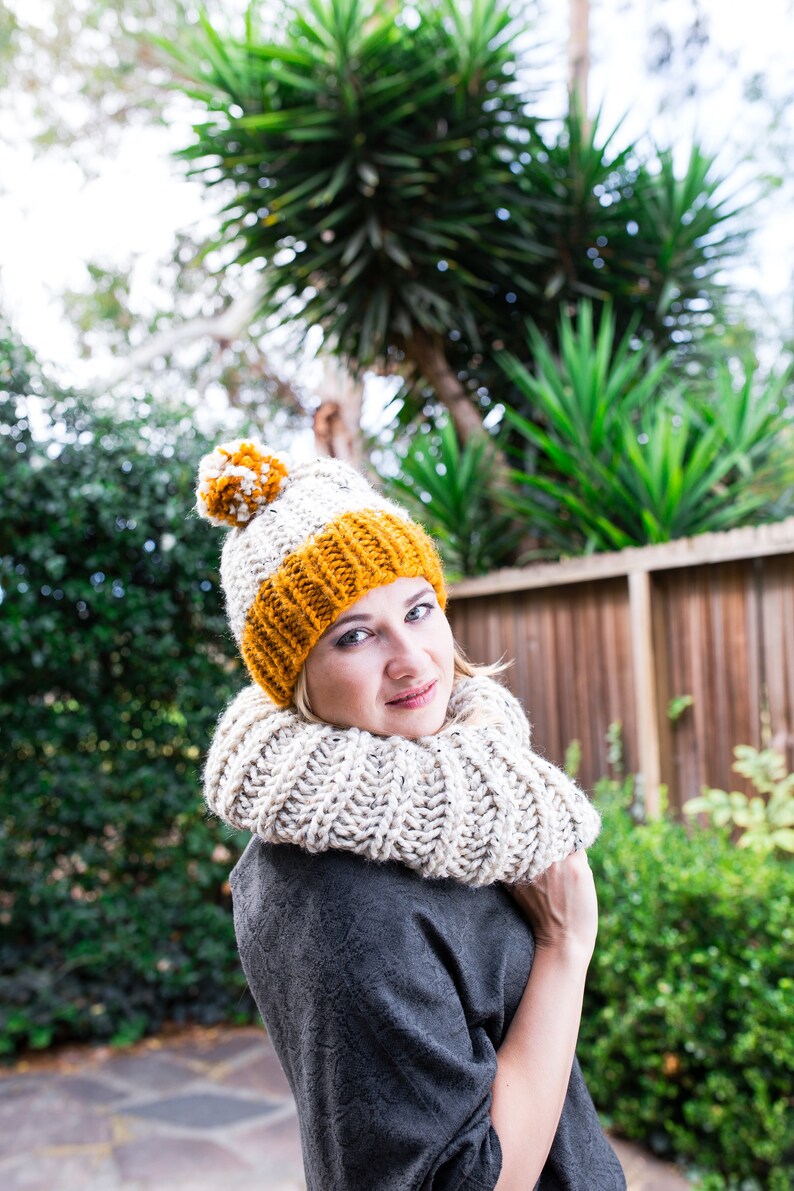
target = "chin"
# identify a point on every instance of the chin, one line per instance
(426, 725)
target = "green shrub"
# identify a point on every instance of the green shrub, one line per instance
(765, 820)
(115, 911)
(686, 1038)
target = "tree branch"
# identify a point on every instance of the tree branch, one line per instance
(223, 328)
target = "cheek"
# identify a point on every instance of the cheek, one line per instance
(317, 678)
(349, 682)
(343, 692)
(338, 676)
(445, 648)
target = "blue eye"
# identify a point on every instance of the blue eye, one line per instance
(353, 637)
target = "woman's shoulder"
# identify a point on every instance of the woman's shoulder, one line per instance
(339, 931)
(349, 894)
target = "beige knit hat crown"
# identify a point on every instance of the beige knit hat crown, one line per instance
(306, 542)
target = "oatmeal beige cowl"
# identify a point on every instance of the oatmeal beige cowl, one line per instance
(472, 803)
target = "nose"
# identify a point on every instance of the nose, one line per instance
(405, 656)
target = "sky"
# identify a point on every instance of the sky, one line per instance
(748, 39)
(53, 219)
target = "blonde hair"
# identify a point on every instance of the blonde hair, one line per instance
(463, 668)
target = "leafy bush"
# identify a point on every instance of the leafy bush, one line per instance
(621, 456)
(765, 823)
(115, 910)
(686, 1038)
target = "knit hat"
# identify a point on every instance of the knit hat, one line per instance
(305, 543)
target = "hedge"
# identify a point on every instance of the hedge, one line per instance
(687, 1038)
(116, 660)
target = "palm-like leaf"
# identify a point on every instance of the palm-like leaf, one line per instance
(395, 190)
(619, 456)
(447, 488)
(631, 231)
(368, 162)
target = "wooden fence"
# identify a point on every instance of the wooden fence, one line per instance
(616, 637)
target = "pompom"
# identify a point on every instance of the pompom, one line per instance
(236, 481)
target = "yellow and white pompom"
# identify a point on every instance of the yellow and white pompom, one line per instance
(237, 480)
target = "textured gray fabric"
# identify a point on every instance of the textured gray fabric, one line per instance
(386, 996)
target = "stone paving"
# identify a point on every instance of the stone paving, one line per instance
(208, 1110)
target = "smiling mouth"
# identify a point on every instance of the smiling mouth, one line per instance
(418, 697)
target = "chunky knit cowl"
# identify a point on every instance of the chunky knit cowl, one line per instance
(473, 802)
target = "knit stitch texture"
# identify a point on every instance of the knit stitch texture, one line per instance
(304, 543)
(472, 803)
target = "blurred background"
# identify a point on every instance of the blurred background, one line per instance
(531, 266)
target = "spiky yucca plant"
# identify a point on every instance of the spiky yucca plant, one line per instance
(622, 455)
(449, 489)
(370, 164)
(384, 166)
(628, 227)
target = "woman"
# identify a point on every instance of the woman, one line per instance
(412, 860)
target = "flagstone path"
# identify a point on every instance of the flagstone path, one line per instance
(204, 1110)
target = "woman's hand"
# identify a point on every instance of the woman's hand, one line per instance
(561, 906)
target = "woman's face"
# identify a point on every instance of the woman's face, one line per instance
(386, 665)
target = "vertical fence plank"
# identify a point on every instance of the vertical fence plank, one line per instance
(776, 621)
(754, 585)
(783, 736)
(663, 648)
(541, 695)
(645, 688)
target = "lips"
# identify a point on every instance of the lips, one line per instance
(418, 696)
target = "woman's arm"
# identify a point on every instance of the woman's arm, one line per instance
(534, 1061)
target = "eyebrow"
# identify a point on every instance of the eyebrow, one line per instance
(365, 618)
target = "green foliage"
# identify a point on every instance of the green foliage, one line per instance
(628, 229)
(573, 758)
(367, 158)
(115, 910)
(677, 706)
(446, 487)
(107, 303)
(766, 823)
(620, 456)
(57, 73)
(384, 166)
(614, 742)
(686, 1037)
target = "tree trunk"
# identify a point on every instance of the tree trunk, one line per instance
(426, 353)
(579, 56)
(337, 419)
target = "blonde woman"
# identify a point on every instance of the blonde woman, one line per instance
(414, 913)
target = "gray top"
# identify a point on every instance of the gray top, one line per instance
(386, 996)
